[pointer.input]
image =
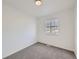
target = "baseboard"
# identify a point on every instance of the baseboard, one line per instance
(19, 50)
(56, 47)
(40, 43)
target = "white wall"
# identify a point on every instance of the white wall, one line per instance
(65, 38)
(19, 30)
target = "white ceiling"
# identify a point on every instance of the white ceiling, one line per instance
(48, 6)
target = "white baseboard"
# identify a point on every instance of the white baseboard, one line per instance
(31, 43)
(56, 46)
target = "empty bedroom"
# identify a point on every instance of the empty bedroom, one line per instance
(39, 29)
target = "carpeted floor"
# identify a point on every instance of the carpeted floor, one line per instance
(41, 51)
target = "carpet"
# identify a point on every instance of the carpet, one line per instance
(42, 51)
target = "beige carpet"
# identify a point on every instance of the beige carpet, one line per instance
(41, 51)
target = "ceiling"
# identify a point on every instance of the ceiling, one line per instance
(48, 6)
